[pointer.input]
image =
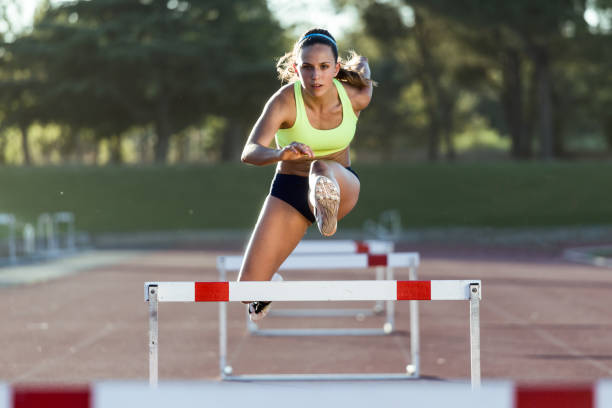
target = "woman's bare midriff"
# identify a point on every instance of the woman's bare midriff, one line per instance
(302, 167)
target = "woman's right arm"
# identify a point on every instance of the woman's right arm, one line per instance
(256, 150)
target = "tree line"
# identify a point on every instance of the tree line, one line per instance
(536, 71)
(533, 73)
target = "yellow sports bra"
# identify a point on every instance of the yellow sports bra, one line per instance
(322, 142)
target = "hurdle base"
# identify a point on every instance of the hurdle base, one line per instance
(325, 312)
(321, 332)
(320, 377)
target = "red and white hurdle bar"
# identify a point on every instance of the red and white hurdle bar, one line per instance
(156, 292)
(498, 394)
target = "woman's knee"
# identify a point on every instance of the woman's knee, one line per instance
(318, 166)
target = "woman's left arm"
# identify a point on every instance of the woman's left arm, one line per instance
(361, 97)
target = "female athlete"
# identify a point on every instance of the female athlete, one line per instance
(313, 120)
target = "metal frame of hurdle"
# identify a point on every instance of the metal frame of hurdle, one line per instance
(66, 218)
(9, 221)
(313, 247)
(342, 247)
(334, 262)
(223, 292)
(335, 255)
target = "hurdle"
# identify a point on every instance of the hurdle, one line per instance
(341, 247)
(66, 218)
(46, 234)
(9, 221)
(304, 260)
(338, 261)
(224, 292)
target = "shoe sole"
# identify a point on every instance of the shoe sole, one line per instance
(327, 202)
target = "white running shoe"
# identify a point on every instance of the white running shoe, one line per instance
(258, 310)
(326, 204)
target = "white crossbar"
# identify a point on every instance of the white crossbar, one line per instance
(312, 290)
(343, 247)
(331, 261)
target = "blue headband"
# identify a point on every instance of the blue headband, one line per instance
(319, 35)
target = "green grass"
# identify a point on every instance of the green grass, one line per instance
(229, 196)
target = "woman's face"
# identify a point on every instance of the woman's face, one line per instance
(317, 68)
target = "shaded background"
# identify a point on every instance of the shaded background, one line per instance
(132, 113)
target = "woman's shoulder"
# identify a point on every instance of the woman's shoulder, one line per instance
(359, 97)
(283, 96)
(282, 103)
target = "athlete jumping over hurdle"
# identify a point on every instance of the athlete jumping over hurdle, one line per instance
(313, 118)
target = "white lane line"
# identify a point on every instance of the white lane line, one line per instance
(106, 330)
(546, 336)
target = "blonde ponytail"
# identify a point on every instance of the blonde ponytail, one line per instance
(351, 74)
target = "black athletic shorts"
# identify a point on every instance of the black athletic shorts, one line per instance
(293, 190)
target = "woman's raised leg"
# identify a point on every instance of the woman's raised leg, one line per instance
(333, 192)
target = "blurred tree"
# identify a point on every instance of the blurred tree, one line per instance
(420, 50)
(110, 65)
(530, 28)
(584, 84)
(384, 26)
(20, 86)
(9, 9)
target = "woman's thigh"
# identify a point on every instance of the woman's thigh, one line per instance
(349, 187)
(279, 229)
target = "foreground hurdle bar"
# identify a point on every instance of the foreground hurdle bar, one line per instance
(190, 394)
(329, 262)
(156, 292)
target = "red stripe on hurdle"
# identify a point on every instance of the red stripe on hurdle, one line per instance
(362, 247)
(40, 397)
(413, 290)
(211, 291)
(377, 260)
(554, 397)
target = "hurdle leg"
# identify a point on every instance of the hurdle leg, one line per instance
(414, 331)
(12, 244)
(224, 369)
(389, 325)
(475, 333)
(153, 336)
(380, 304)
